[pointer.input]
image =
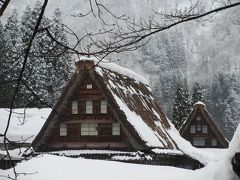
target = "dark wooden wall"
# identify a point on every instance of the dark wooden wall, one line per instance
(74, 139)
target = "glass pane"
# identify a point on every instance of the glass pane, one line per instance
(116, 129)
(205, 129)
(199, 141)
(89, 86)
(63, 129)
(74, 107)
(103, 106)
(89, 107)
(192, 129)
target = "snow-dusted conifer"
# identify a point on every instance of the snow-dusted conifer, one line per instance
(181, 107)
(196, 94)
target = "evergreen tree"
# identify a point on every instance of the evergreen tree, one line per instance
(181, 107)
(58, 62)
(4, 68)
(49, 65)
(196, 94)
(12, 56)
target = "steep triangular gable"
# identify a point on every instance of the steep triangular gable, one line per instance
(200, 107)
(136, 110)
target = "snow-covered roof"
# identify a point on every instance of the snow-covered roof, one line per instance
(139, 107)
(199, 103)
(132, 100)
(25, 123)
(106, 64)
(200, 107)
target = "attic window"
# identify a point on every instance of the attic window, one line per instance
(89, 129)
(198, 118)
(74, 107)
(63, 129)
(205, 129)
(103, 107)
(89, 86)
(192, 129)
(214, 142)
(115, 129)
(89, 107)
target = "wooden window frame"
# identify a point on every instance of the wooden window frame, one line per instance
(89, 86)
(89, 129)
(199, 127)
(63, 129)
(116, 129)
(89, 107)
(75, 107)
(199, 141)
(214, 142)
(192, 129)
(103, 107)
(204, 129)
(198, 118)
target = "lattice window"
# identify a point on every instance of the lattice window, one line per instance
(198, 141)
(115, 129)
(205, 129)
(192, 129)
(74, 107)
(199, 127)
(89, 86)
(63, 129)
(198, 118)
(214, 142)
(89, 129)
(103, 107)
(89, 107)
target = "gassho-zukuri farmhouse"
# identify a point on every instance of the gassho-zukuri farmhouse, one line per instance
(107, 112)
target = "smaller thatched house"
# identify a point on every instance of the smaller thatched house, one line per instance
(200, 129)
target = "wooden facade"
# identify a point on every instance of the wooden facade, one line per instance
(88, 122)
(101, 109)
(87, 115)
(200, 129)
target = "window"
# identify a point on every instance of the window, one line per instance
(198, 141)
(89, 86)
(63, 129)
(103, 107)
(192, 129)
(116, 129)
(214, 142)
(89, 107)
(89, 129)
(199, 127)
(74, 107)
(198, 118)
(205, 129)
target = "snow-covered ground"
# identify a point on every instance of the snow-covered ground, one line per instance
(25, 123)
(50, 167)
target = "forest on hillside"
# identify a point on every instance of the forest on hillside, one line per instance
(206, 52)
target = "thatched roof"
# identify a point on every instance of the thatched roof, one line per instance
(200, 107)
(130, 100)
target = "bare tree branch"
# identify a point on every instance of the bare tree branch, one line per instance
(19, 79)
(129, 35)
(3, 4)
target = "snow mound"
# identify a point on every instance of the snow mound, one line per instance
(25, 123)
